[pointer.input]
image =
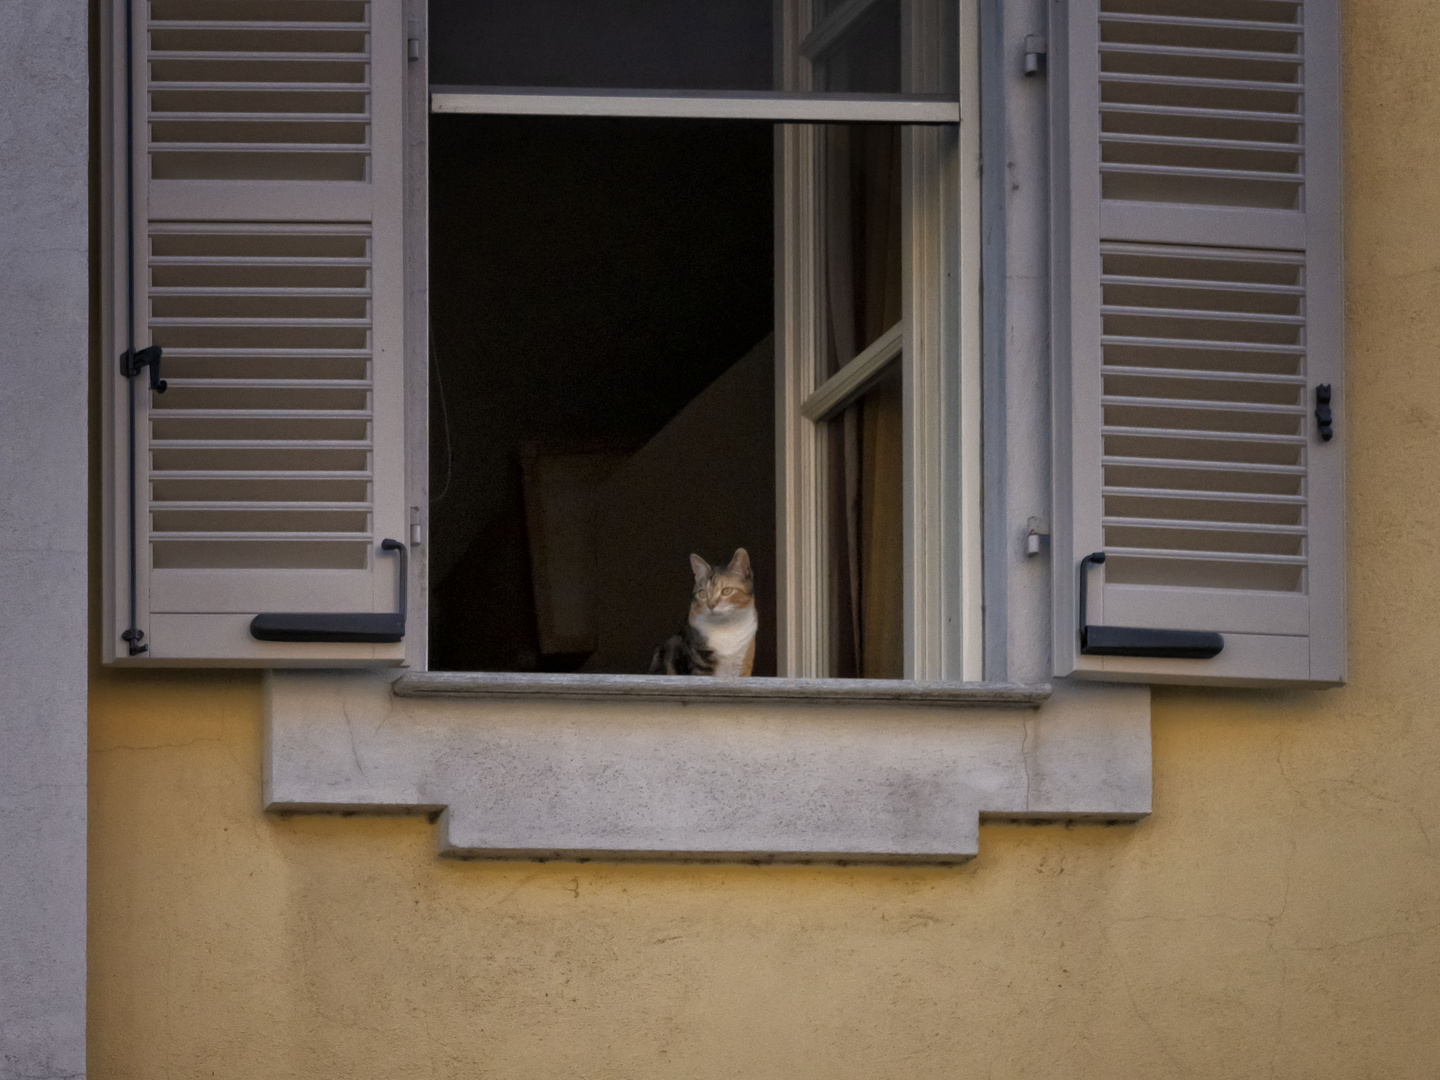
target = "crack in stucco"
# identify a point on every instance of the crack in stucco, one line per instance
(350, 731)
(1145, 1020)
(155, 746)
(1276, 1039)
(1025, 758)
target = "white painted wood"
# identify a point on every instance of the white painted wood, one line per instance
(852, 380)
(962, 483)
(802, 618)
(943, 573)
(1197, 308)
(417, 333)
(777, 107)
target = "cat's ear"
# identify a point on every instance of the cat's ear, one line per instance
(700, 566)
(740, 563)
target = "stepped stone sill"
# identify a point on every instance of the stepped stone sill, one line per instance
(680, 688)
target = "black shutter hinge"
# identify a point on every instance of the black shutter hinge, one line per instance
(133, 363)
(1323, 416)
(1135, 641)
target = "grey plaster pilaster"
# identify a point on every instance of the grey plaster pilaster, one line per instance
(44, 318)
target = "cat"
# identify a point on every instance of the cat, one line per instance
(719, 639)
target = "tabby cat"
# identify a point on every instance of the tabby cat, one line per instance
(719, 639)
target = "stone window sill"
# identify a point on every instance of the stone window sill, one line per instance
(685, 690)
(656, 768)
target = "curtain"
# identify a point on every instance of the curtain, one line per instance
(863, 286)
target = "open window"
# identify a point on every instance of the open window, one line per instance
(665, 321)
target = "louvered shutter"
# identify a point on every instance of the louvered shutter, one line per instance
(1197, 309)
(267, 220)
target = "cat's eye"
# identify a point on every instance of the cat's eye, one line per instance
(727, 592)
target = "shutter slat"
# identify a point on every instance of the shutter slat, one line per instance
(255, 57)
(1215, 466)
(256, 86)
(269, 292)
(260, 147)
(1193, 21)
(277, 117)
(1205, 556)
(264, 385)
(1189, 403)
(1197, 112)
(265, 474)
(217, 536)
(216, 26)
(1190, 433)
(1185, 51)
(1204, 525)
(1199, 82)
(234, 504)
(1137, 139)
(1200, 172)
(240, 323)
(245, 261)
(1200, 373)
(1201, 496)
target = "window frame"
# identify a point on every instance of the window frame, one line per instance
(941, 313)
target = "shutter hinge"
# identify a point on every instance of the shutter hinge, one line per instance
(416, 532)
(132, 363)
(1036, 51)
(412, 40)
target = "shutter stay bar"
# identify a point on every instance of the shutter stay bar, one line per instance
(133, 361)
(1134, 640)
(378, 627)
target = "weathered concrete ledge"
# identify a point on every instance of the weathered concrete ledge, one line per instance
(680, 688)
(622, 777)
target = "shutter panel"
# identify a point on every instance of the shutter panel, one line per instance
(1197, 300)
(268, 217)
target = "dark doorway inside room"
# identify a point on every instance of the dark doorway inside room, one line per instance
(602, 384)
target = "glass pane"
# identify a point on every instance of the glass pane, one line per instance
(603, 44)
(715, 45)
(861, 238)
(866, 58)
(867, 535)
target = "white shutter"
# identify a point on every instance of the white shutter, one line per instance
(268, 212)
(1197, 308)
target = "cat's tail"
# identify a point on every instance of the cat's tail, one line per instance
(662, 660)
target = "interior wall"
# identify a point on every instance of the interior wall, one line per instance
(1277, 916)
(704, 484)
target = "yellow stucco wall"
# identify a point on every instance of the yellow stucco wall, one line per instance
(1277, 916)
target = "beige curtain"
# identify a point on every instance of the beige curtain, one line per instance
(863, 294)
